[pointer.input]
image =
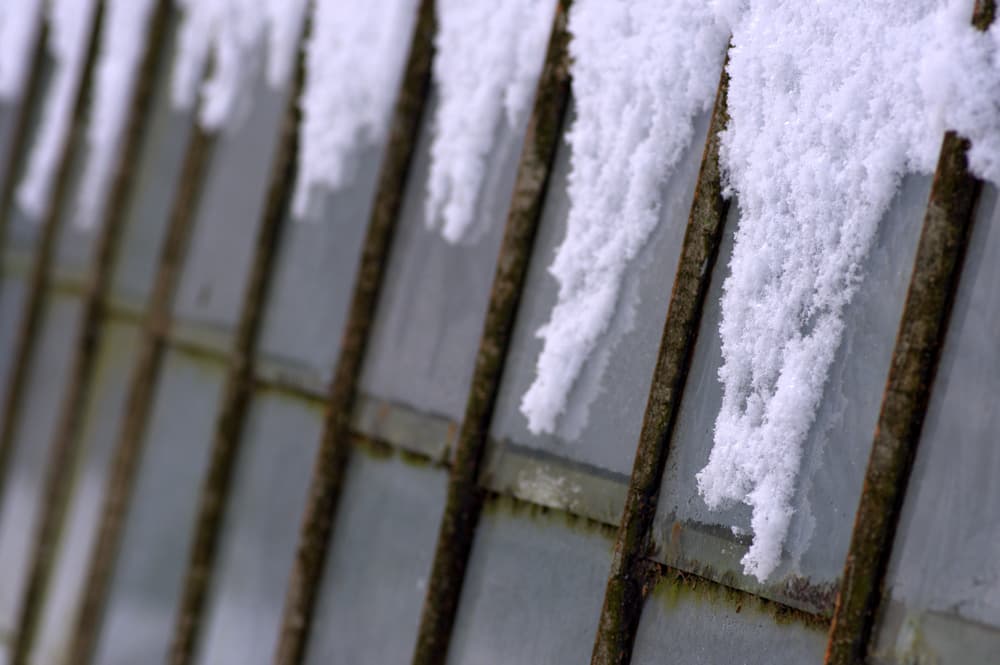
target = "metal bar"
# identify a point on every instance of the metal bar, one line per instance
(465, 497)
(128, 451)
(334, 449)
(629, 579)
(226, 442)
(922, 329)
(64, 449)
(32, 313)
(19, 146)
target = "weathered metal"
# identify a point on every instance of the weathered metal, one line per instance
(38, 281)
(335, 444)
(64, 449)
(131, 435)
(922, 329)
(465, 496)
(629, 578)
(239, 386)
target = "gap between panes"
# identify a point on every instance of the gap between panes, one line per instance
(328, 474)
(64, 449)
(465, 495)
(922, 330)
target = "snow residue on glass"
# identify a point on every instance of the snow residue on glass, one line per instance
(19, 23)
(830, 104)
(70, 24)
(122, 44)
(234, 35)
(642, 71)
(354, 67)
(489, 56)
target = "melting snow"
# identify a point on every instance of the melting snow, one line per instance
(123, 40)
(489, 57)
(355, 59)
(70, 23)
(831, 104)
(642, 71)
(233, 34)
(19, 23)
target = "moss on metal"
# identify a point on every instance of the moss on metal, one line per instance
(465, 498)
(922, 329)
(64, 449)
(335, 443)
(628, 582)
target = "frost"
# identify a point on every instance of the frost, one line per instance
(233, 35)
(830, 104)
(354, 67)
(123, 40)
(642, 71)
(19, 23)
(489, 57)
(70, 23)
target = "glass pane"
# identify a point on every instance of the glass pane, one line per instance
(376, 571)
(22, 232)
(35, 429)
(104, 409)
(601, 427)
(228, 215)
(533, 588)
(702, 623)
(13, 290)
(147, 578)
(433, 302)
(154, 185)
(76, 241)
(945, 567)
(260, 532)
(313, 280)
(690, 536)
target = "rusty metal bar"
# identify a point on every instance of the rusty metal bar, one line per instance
(632, 573)
(226, 441)
(128, 451)
(64, 449)
(334, 449)
(30, 97)
(465, 497)
(34, 305)
(922, 329)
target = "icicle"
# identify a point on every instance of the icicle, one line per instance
(123, 40)
(234, 35)
(489, 57)
(70, 24)
(354, 67)
(19, 24)
(642, 71)
(830, 105)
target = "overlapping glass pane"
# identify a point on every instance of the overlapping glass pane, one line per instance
(690, 536)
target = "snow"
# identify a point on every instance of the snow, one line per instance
(642, 71)
(122, 45)
(489, 56)
(233, 35)
(830, 104)
(355, 58)
(19, 23)
(70, 23)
